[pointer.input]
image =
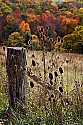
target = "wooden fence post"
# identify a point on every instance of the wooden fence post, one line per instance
(16, 72)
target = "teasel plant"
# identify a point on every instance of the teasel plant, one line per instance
(51, 62)
(67, 62)
(35, 67)
(81, 68)
(41, 38)
(66, 96)
(79, 90)
(75, 71)
(81, 74)
(56, 78)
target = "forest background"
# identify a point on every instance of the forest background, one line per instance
(61, 24)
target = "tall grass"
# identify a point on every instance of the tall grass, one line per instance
(61, 105)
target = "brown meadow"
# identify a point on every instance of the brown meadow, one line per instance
(62, 92)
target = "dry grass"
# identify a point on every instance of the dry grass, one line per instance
(74, 67)
(71, 80)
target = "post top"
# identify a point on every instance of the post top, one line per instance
(16, 48)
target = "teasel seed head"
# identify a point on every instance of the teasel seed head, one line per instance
(31, 84)
(3, 48)
(54, 100)
(33, 63)
(52, 95)
(49, 99)
(55, 73)
(51, 76)
(33, 55)
(60, 70)
(51, 82)
(60, 89)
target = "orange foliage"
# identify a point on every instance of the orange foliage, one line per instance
(12, 19)
(47, 17)
(68, 20)
(9, 18)
(32, 17)
(24, 27)
(75, 20)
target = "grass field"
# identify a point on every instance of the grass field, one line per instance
(48, 108)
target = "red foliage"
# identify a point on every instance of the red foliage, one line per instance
(47, 18)
(74, 20)
(17, 13)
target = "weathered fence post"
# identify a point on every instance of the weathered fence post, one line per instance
(16, 72)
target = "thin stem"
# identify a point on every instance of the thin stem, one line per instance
(44, 65)
(67, 81)
(75, 71)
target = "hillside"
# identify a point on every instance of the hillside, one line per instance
(20, 19)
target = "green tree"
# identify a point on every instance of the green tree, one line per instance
(10, 29)
(79, 13)
(79, 31)
(5, 8)
(15, 39)
(78, 28)
(73, 42)
(35, 43)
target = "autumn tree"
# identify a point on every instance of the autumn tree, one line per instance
(49, 5)
(65, 25)
(5, 8)
(0, 33)
(47, 19)
(24, 27)
(73, 42)
(35, 43)
(11, 26)
(15, 39)
(79, 13)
